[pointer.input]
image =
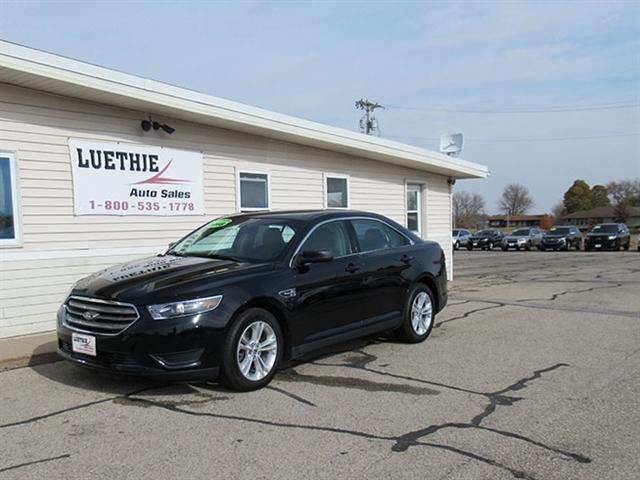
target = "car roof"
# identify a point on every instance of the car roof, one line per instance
(307, 215)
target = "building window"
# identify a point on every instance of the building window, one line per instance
(254, 191)
(336, 191)
(9, 202)
(414, 208)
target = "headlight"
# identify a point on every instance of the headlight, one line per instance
(164, 311)
(612, 237)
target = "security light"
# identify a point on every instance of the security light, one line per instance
(147, 124)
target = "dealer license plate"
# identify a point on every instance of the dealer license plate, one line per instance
(598, 245)
(85, 344)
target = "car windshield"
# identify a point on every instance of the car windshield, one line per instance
(242, 239)
(604, 229)
(559, 230)
(455, 233)
(484, 233)
(521, 231)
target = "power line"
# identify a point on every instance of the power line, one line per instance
(556, 109)
(518, 140)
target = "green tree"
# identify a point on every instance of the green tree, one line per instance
(599, 196)
(578, 197)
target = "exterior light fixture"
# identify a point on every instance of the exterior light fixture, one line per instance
(148, 124)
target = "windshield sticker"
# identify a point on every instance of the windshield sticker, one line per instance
(220, 222)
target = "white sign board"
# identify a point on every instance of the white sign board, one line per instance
(123, 179)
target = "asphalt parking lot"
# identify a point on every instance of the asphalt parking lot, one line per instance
(532, 372)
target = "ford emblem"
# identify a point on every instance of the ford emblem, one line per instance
(88, 315)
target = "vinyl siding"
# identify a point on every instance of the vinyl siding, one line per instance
(58, 248)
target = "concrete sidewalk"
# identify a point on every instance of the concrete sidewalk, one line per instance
(27, 350)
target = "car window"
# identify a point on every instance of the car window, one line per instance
(374, 235)
(332, 237)
(248, 239)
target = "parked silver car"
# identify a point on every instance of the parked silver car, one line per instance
(460, 237)
(523, 238)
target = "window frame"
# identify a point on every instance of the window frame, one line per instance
(384, 249)
(340, 176)
(417, 187)
(354, 239)
(16, 241)
(239, 173)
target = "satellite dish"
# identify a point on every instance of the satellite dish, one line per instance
(451, 144)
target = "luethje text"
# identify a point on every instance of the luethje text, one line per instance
(115, 160)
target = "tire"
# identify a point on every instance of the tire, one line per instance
(542, 248)
(262, 364)
(416, 327)
(504, 249)
(626, 247)
(490, 247)
(586, 247)
(527, 247)
(456, 245)
(578, 245)
(469, 247)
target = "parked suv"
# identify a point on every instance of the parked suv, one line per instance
(523, 238)
(608, 236)
(460, 238)
(485, 239)
(561, 237)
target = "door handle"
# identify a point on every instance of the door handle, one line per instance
(405, 258)
(352, 268)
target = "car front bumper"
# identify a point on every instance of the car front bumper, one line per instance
(172, 350)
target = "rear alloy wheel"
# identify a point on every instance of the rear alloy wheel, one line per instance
(490, 247)
(419, 315)
(252, 350)
(456, 245)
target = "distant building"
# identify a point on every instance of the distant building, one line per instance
(585, 219)
(504, 221)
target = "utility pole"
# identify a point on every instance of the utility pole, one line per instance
(368, 123)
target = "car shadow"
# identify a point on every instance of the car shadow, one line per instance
(69, 374)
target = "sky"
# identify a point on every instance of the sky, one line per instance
(439, 67)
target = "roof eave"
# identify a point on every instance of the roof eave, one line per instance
(56, 74)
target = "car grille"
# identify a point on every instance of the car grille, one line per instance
(99, 316)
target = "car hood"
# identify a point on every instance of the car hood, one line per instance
(556, 236)
(475, 237)
(163, 278)
(515, 238)
(602, 234)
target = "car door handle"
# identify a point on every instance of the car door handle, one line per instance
(352, 268)
(406, 258)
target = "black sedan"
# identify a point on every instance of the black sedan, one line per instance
(608, 236)
(238, 295)
(485, 239)
(561, 238)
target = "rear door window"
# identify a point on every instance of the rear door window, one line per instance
(373, 235)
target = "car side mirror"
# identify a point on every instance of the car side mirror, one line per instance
(314, 256)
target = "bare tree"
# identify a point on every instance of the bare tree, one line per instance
(515, 200)
(468, 209)
(625, 192)
(558, 210)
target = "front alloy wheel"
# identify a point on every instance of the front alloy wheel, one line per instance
(419, 315)
(252, 350)
(257, 351)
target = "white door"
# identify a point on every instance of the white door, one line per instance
(414, 208)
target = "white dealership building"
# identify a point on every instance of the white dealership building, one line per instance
(99, 167)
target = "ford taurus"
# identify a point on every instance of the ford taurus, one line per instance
(237, 296)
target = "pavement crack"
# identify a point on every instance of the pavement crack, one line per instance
(469, 313)
(286, 393)
(34, 462)
(45, 416)
(555, 296)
